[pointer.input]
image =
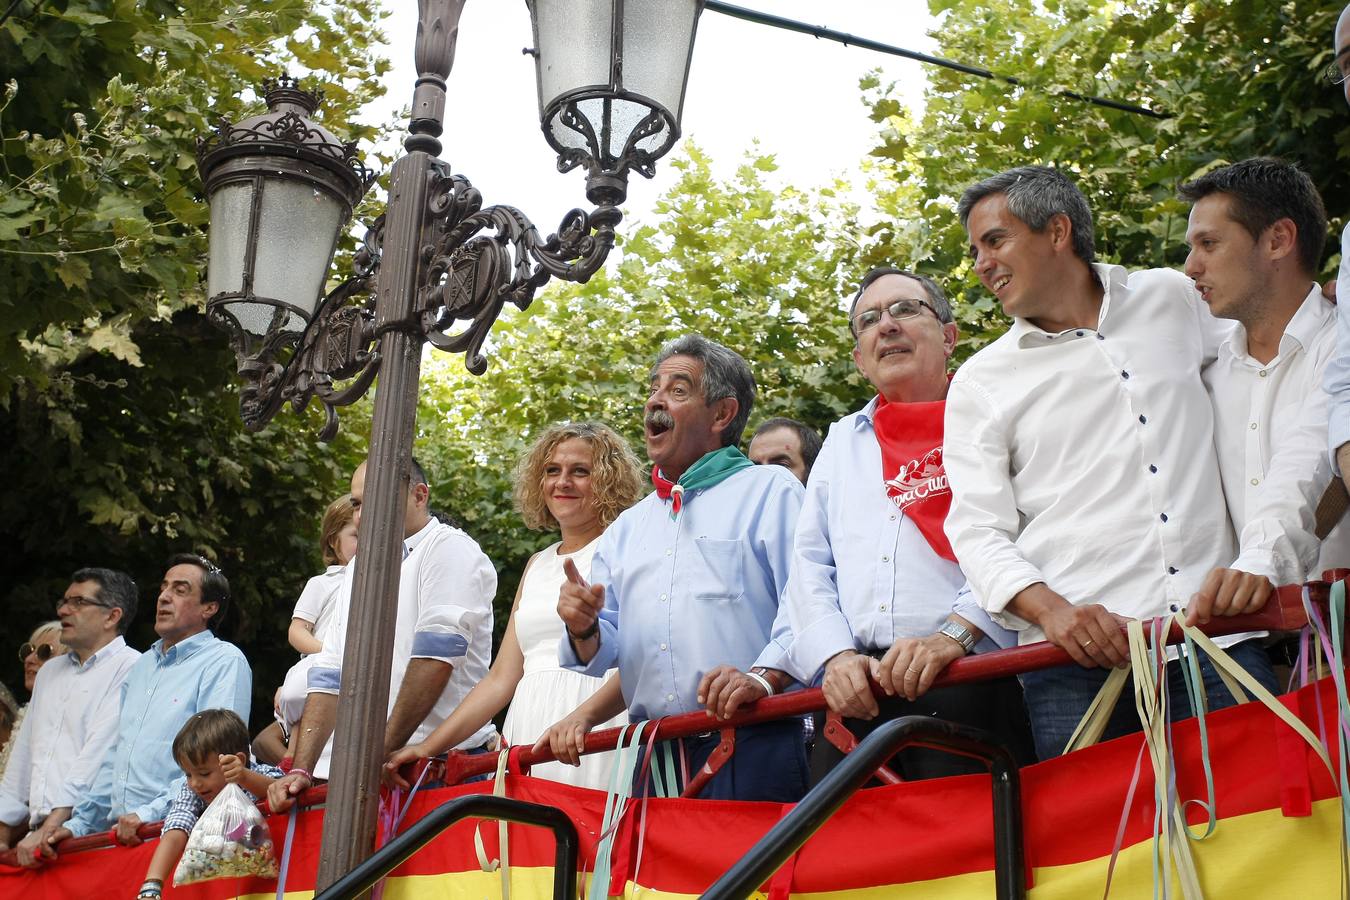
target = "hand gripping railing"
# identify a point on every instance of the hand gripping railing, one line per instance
(1283, 612)
(793, 830)
(479, 806)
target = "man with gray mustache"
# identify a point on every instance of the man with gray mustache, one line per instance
(686, 583)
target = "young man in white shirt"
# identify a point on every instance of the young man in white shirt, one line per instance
(72, 720)
(1080, 450)
(1256, 233)
(874, 587)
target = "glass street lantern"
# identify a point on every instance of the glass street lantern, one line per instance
(612, 75)
(281, 188)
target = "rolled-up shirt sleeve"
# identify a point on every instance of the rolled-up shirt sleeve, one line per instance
(607, 655)
(996, 637)
(454, 602)
(983, 522)
(325, 676)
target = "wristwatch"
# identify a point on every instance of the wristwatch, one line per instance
(959, 633)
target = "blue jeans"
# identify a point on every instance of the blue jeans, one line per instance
(1057, 698)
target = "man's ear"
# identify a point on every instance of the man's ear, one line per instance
(727, 408)
(1060, 228)
(116, 614)
(1281, 239)
(421, 494)
(950, 335)
(213, 618)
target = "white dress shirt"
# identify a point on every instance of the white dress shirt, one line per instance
(445, 592)
(1270, 425)
(863, 575)
(1085, 459)
(1337, 378)
(70, 725)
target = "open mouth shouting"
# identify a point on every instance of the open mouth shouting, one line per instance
(658, 422)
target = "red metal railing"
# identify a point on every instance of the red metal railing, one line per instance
(1283, 612)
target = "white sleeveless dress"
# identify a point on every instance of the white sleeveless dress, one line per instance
(547, 692)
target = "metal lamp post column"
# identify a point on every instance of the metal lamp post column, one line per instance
(351, 818)
(611, 76)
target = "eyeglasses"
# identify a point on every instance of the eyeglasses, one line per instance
(1334, 73)
(900, 309)
(78, 603)
(43, 651)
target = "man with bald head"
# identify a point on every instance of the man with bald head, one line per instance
(442, 641)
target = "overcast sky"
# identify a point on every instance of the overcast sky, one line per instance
(797, 95)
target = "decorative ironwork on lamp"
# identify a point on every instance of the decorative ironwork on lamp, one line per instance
(611, 77)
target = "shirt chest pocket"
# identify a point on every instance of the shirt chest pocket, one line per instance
(717, 573)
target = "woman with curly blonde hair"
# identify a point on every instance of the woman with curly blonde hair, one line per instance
(576, 477)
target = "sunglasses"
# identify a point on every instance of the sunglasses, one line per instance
(43, 651)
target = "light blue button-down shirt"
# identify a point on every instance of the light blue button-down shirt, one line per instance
(1337, 377)
(863, 575)
(694, 592)
(162, 691)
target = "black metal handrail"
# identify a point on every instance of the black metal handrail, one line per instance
(479, 806)
(793, 830)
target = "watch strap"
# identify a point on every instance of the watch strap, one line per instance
(959, 633)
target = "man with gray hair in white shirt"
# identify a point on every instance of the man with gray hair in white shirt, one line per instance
(1256, 233)
(1080, 450)
(72, 719)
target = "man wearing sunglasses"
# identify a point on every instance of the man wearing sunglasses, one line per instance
(72, 719)
(875, 588)
(186, 671)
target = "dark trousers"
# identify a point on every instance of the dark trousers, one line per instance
(1057, 698)
(995, 707)
(769, 763)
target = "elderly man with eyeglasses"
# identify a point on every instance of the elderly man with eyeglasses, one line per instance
(72, 718)
(186, 671)
(875, 589)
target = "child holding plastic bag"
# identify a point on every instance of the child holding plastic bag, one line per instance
(212, 750)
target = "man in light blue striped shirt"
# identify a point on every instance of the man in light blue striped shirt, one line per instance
(686, 582)
(187, 670)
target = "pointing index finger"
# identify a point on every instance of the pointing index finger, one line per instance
(573, 575)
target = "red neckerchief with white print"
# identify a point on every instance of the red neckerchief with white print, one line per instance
(910, 436)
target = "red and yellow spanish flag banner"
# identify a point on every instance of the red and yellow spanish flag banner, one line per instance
(1278, 834)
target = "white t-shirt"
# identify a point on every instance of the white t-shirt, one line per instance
(316, 600)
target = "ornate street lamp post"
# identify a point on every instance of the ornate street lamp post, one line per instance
(611, 85)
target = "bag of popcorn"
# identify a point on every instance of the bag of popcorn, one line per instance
(229, 840)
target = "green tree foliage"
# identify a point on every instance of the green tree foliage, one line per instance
(1238, 79)
(758, 269)
(120, 431)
